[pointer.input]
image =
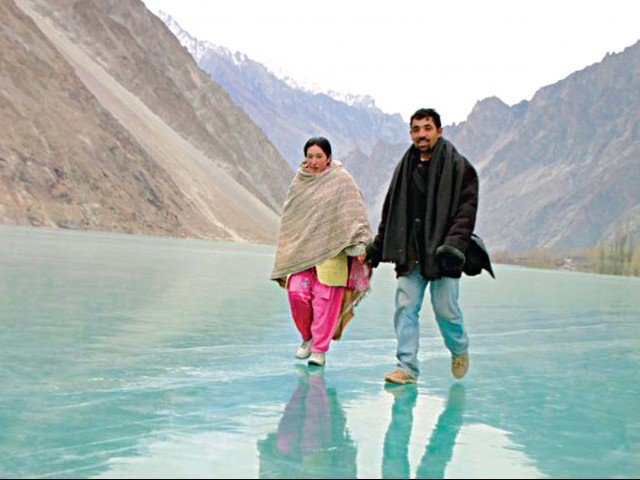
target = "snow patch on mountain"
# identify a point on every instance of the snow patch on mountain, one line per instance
(197, 48)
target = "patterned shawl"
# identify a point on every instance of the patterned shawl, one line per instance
(323, 215)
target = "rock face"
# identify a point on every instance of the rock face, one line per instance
(108, 124)
(560, 171)
(373, 174)
(291, 115)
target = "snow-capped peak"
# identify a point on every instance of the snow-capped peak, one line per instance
(197, 48)
(361, 101)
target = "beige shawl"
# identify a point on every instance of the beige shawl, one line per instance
(323, 215)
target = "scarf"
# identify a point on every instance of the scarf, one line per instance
(443, 184)
(323, 214)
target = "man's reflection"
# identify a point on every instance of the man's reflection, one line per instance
(312, 439)
(395, 458)
(439, 450)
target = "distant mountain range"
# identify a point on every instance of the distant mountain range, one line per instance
(107, 123)
(563, 170)
(560, 171)
(287, 113)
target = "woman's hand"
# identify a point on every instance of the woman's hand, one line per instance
(362, 258)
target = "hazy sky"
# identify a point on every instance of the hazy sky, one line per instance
(407, 54)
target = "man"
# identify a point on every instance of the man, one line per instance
(427, 220)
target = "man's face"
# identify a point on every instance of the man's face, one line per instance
(425, 134)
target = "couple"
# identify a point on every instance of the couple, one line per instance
(325, 246)
(313, 441)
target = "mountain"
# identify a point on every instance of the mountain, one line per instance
(373, 173)
(108, 124)
(559, 171)
(563, 169)
(288, 113)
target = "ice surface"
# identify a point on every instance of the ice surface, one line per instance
(128, 356)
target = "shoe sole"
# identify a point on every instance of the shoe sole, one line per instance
(400, 382)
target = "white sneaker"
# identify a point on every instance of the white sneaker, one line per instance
(304, 351)
(317, 359)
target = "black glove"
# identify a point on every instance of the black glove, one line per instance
(450, 258)
(373, 255)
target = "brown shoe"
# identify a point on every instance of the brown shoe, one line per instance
(460, 366)
(400, 377)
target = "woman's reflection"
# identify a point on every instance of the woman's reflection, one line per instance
(439, 450)
(312, 440)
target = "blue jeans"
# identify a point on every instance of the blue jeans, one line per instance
(444, 299)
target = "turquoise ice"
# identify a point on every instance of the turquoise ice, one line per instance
(126, 356)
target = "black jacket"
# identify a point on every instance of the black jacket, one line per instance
(451, 199)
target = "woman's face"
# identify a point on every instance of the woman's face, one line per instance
(317, 160)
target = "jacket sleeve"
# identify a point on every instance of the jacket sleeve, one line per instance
(464, 220)
(374, 250)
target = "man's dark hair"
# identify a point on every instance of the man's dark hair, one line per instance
(427, 113)
(321, 142)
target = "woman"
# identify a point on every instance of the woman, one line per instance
(324, 229)
(312, 439)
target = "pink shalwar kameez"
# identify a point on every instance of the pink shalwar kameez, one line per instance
(315, 308)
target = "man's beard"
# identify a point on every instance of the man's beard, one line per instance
(427, 149)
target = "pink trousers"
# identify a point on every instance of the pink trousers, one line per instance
(306, 424)
(315, 308)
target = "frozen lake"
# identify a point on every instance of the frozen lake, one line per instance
(146, 357)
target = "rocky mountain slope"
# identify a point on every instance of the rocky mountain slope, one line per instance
(291, 115)
(562, 170)
(559, 171)
(108, 124)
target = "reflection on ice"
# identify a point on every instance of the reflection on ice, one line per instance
(418, 436)
(312, 440)
(483, 451)
(427, 437)
(201, 455)
(439, 449)
(141, 357)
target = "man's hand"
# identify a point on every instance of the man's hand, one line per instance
(450, 258)
(372, 256)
